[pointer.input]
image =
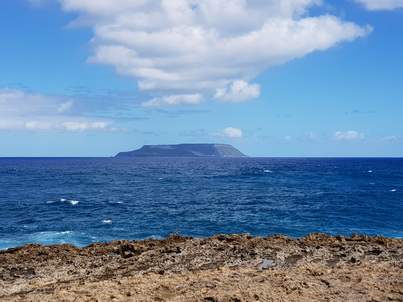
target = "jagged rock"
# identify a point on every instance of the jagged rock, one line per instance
(235, 267)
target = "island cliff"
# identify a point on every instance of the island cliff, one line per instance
(184, 150)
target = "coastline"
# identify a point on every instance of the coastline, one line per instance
(316, 267)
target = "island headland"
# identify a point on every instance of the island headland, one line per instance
(184, 150)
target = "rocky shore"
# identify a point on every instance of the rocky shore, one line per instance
(220, 268)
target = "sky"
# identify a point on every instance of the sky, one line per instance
(273, 78)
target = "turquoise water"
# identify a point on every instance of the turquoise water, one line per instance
(83, 200)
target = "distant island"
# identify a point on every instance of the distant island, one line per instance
(184, 150)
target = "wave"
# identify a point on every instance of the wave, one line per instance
(48, 238)
(63, 200)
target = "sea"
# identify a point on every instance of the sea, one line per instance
(86, 200)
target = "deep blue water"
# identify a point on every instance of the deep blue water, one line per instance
(83, 200)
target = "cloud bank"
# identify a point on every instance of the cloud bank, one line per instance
(382, 4)
(21, 110)
(349, 135)
(189, 51)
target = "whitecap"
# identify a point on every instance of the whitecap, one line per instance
(63, 199)
(154, 237)
(65, 232)
(51, 237)
(74, 202)
(393, 190)
(57, 237)
(267, 171)
(369, 171)
(107, 221)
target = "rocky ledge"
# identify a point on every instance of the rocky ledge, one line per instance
(220, 268)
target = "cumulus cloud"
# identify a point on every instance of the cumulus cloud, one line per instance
(239, 91)
(180, 49)
(231, 132)
(348, 135)
(382, 4)
(20, 110)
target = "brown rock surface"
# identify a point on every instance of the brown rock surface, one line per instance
(220, 268)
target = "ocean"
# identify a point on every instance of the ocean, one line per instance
(85, 200)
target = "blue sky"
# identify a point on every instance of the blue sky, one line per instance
(272, 78)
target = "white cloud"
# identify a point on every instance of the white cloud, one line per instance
(51, 124)
(83, 126)
(348, 135)
(231, 132)
(19, 103)
(238, 92)
(213, 48)
(30, 111)
(382, 4)
(172, 100)
(39, 125)
(391, 138)
(65, 106)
